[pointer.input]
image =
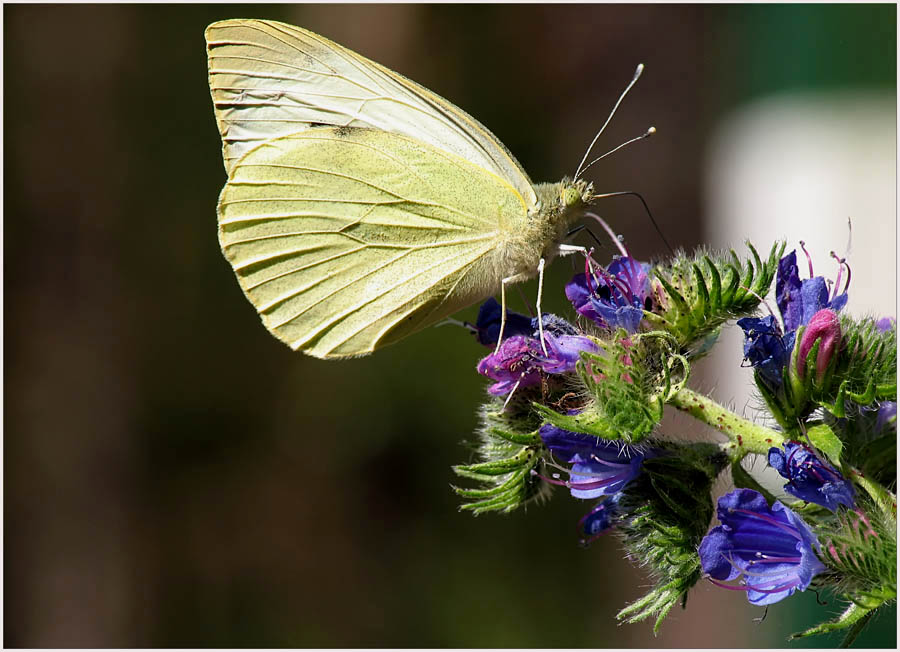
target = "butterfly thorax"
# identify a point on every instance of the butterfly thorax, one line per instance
(559, 206)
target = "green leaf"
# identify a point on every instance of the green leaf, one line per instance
(823, 438)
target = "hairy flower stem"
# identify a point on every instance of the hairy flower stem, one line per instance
(745, 436)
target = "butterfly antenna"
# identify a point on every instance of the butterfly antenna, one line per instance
(646, 134)
(596, 239)
(646, 208)
(637, 74)
(578, 228)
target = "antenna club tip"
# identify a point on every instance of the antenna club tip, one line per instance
(651, 131)
(640, 69)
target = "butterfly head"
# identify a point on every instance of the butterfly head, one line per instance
(573, 194)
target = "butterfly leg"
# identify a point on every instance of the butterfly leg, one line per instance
(566, 250)
(503, 283)
(539, 313)
(512, 391)
(514, 279)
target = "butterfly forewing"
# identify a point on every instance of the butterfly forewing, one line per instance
(269, 79)
(346, 239)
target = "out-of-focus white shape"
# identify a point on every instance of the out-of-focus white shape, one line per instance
(795, 167)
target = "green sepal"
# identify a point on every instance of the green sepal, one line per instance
(589, 421)
(628, 384)
(696, 295)
(879, 459)
(777, 401)
(862, 371)
(527, 439)
(866, 364)
(715, 285)
(884, 499)
(497, 491)
(869, 444)
(854, 616)
(660, 600)
(510, 448)
(859, 548)
(666, 512)
(501, 466)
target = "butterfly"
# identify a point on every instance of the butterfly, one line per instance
(361, 207)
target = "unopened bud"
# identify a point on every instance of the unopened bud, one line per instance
(825, 328)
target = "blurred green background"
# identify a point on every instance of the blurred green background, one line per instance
(174, 476)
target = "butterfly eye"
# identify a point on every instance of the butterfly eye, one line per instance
(569, 196)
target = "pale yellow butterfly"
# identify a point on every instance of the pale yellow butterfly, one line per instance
(361, 207)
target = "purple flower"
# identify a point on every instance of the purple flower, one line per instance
(552, 324)
(809, 477)
(772, 551)
(887, 414)
(799, 300)
(765, 348)
(487, 326)
(520, 360)
(613, 297)
(768, 348)
(599, 520)
(599, 467)
(885, 324)
(824, 327)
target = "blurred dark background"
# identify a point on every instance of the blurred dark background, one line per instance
(174, 476)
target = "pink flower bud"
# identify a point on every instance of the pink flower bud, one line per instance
(823, 326)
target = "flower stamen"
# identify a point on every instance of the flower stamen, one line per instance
(808, 258)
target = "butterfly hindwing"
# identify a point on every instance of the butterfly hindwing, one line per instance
(346, 239)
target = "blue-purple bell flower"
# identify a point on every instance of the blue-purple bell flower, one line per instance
(885, 324)
(765, 348)
(771, 550)
(810, 478)
(487, 326)
(599, 467)
(887, 414)
(799, 300)
(613, 297)
(768, 347)
(600, 520)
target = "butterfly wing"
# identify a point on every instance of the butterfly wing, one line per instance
(347, 239)
(270, 79)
